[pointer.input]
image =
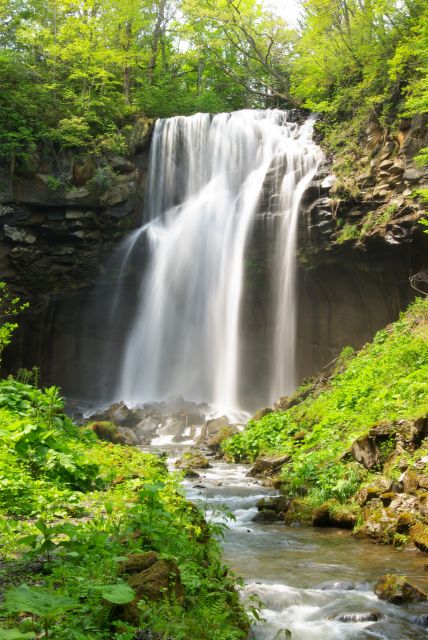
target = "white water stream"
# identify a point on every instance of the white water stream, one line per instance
(207, 176)
(317, 583)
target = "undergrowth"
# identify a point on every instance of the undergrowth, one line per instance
(71, 509)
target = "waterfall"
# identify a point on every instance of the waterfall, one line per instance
(207, 176)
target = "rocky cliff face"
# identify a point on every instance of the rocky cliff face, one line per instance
(61, 216)
(360, 241)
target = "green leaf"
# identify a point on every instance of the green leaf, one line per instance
(38, 601)
(16, 634)
(120, 593)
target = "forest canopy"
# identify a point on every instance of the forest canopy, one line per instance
(74, 73)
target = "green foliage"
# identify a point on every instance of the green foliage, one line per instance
(120, 593)
(386, 380)
(76, 507)
(10, 307)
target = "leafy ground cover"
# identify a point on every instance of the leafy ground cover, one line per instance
(74, 511)
(381, 389)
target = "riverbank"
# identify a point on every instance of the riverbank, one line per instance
(97, 539)
(350, 448)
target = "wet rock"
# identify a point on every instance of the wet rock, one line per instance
(365, 616)
(328, 515)
(271, 509)
(268, 465)
(267, 515)
(190, 473)
(419, 536)
(398, 590)
(193, 459)
(130, 436)
(146, 428)
(393, 630)
(107, 431)
(336, 586)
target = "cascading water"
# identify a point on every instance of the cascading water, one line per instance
(206, 180)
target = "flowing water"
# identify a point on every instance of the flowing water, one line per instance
(317, 583)
(208, 176)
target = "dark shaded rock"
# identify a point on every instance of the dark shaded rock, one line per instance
(393, 630)
(190, 473)
(268, 465)
(328, 515)
(160, 580)
(336, 586)
(387, 497)
(83, 170)
(398, 590)
(366, 452)
(267, 515)
(271, 509)
(364, 616)
(405, 521)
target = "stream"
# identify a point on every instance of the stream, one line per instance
(317, 583)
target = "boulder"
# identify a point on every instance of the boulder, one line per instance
(405, 521)
(271, 509)
(136, 562)
(158, 580)
(107, 431)
(193, 459)
(215, 441)
(268, 465)
(267, 515)
(213, 426)
(130, 436)
(366, 452)
(333, 515)
(398, 590)
(419, 536)
(423, 505)
(410, 481)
